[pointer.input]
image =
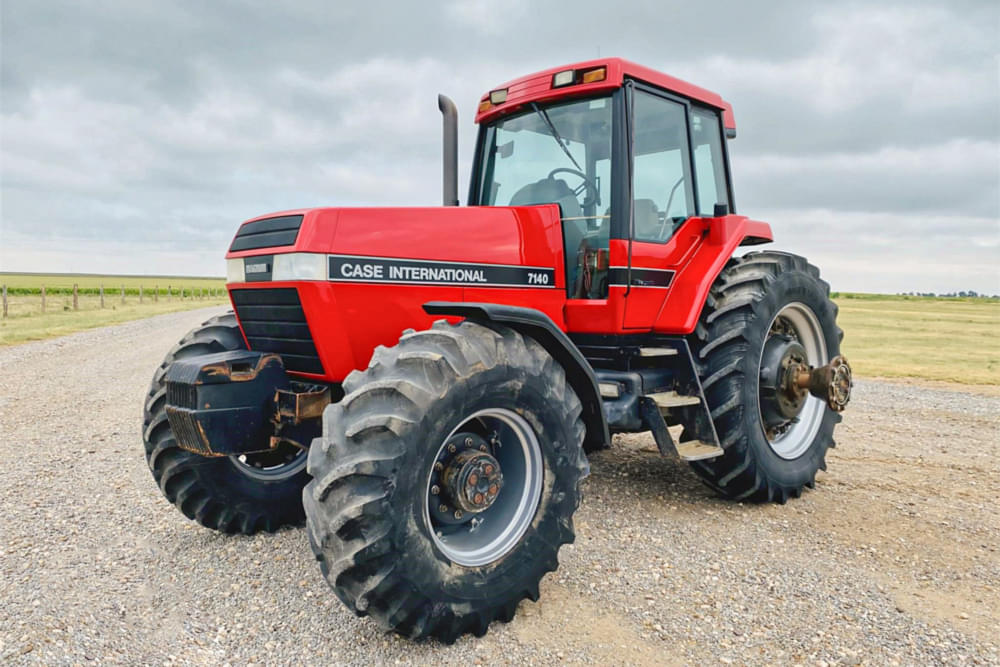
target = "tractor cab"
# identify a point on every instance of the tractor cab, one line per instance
(628, 155)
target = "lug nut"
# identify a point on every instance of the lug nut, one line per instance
(443, 509)
(435, 490)
(439, 466)
(458, 514)
(488, 469)
(473, 478)
(468, 442)
(478, 499)
(493, 490)
(452, 448)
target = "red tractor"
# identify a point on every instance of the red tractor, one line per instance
(423, 385)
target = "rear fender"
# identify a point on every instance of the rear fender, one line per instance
(686, 297)
(540, 327)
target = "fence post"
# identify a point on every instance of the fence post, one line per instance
(156, 294)
(140, 293)
(102, 295)
(76, 304)
(43, 299)
(5, 301)
(170, 293)
(123, 295)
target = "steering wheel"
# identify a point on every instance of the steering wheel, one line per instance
(586, 184)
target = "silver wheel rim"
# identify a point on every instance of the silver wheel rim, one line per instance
(271, 473)
(794, 441)
(492, 533)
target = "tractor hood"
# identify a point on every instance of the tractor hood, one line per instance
(502, 246)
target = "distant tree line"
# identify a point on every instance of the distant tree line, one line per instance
(972, 294)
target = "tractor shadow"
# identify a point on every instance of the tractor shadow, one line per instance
(634, 467)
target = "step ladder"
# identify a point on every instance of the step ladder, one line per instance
(654, 406)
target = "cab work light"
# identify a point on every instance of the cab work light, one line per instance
(498, 96)
(565, 78)
(579, 76)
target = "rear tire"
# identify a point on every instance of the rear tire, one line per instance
(220, 493)
(369, 517)
(750, 295)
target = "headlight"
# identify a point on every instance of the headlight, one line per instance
(299, 266)
(234, 271)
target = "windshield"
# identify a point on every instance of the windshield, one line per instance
(558, 154)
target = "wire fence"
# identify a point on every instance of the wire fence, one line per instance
(25, 301)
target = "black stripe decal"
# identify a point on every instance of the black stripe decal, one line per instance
(347, 268)
(641, 277)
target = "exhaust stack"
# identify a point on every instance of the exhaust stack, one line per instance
(449, 117)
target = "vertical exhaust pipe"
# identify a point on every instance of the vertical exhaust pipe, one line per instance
(449, 117)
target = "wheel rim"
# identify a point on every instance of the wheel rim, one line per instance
(284, 461)
(798, 320)
(482, 537)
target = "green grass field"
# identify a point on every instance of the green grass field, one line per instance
(26, 320)
(948, 340)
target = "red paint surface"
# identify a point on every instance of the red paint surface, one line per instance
(348, 320)
(537, 87)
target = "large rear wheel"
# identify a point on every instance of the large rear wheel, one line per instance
(446, 480)
(767, 315)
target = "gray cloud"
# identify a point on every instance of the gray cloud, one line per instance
(145, 132)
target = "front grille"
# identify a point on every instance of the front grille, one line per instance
(267, 233)
(273, 321)
(186, 432)
(182, 395)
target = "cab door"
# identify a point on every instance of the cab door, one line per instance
(669, 197)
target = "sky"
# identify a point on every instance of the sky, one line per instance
(136, 136)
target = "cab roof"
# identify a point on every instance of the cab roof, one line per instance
(538, 87)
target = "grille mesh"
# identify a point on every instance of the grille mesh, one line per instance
(273, 321)
(182, 395)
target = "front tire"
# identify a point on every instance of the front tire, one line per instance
(756, 297)
(381, 478)
(255, 492)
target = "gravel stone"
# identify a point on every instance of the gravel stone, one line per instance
(891, 560)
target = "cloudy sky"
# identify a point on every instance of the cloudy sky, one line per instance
(137, 135)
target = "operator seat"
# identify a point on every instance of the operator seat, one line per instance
(648, 226)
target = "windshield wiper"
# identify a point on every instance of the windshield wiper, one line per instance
(555, 135)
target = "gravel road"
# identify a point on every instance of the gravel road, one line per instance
(891, 560)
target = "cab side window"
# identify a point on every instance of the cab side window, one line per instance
(661, 179)
(709, 163)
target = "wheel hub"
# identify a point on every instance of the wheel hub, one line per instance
(466, 478)
(473, 480)
(781, 397)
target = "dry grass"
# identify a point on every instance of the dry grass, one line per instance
(26, 322)
(948, 340)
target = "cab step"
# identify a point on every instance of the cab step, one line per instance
(671, 399)
(696, 450)
(657, 352)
